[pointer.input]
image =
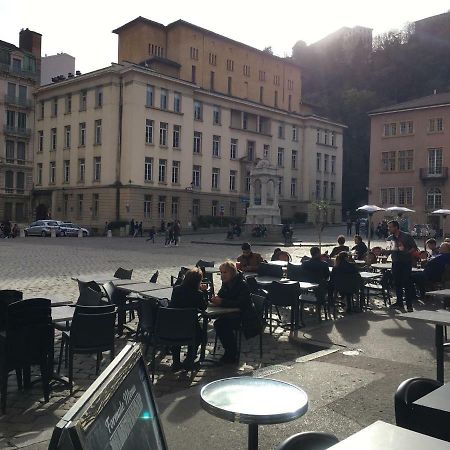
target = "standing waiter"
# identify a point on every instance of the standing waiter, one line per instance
(402, 254)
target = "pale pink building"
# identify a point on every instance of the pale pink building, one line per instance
(410, 156)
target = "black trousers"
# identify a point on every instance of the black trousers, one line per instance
(225, 327)
(401, 272)
(192, 350)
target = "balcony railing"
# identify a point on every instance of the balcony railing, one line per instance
(33, 75)
(17, 131)
(426, 174)
(17, 101)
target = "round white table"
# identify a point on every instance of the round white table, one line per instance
(254, 401)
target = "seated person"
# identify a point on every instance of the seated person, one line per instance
(189, 294)
(237, 230)
(360, 248)
(340, 248)
(234, 293)
(316, 269)
(341, 267)
(230, 232)
(287, 231)
(432, 247)
(249, 261)
(275, 254)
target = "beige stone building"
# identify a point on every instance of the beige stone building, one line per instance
(143, 140)
(19, 74)
(409, 157)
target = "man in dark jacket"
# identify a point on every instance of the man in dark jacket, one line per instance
(234, 293)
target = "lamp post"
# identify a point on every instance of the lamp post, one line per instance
(190, 189)
(370, 210)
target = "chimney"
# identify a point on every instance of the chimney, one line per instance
(30, 41)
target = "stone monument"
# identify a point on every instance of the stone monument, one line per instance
(263, 207)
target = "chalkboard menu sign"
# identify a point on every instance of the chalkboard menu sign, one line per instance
(117, 412)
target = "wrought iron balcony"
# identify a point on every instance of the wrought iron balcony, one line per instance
(17, 131)
(17, 101)
(427, 175)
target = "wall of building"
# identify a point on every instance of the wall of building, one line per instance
(55, 65)
(417, 178)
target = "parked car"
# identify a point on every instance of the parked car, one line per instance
(42, 228)
(423, 230)
(71, 229)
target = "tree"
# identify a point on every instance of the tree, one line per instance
(268, 50)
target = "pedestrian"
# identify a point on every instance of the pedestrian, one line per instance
(105, 232)
(151, 235)
(140, 229)
(349, 226)
(136, 229)
(15, 231)
(403, 251)
(131, 230)
(163, 226)
(176, 232)
(168, 235)
(357, 226)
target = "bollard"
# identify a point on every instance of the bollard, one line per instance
(22, 232)
(80, 233)
(109, 234)
(53, 232)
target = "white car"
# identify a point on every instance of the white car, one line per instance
(43, 228)
(71, 229)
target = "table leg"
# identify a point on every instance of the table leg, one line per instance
(204, 338)
(253, 436)
(439, 333)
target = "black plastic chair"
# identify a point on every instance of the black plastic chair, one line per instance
(92, 331)
(176, 281)
(207, 276)
(349, 285)
(123, 274)
(408, 392)
(154, 277)
(173, 327)
(7, 296)
(109, 290)
(283, 295)
(309, 440)
(26, 341)
(147, 311)
(270, 270)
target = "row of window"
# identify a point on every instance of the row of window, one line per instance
(18, 92)
(434, 125)
(16, 119)
(67, 137)
(212, 59)
(404, 196)
(327, 167)
(19, 187)
(15, 152)
(403, 160)
(81, 176)
(156, 50)
(82, 99)
(80, 205)
(325, 137)
(323, 194)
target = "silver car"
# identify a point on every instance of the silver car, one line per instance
(71, 229)
(42, 228)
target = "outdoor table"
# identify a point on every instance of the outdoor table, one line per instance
(63, 313)
(265, 280)
(366, 276)
(140, 287)
(254, 401)
(439, 318)
(433, 412)
(278, 263)
(385, 436)
(159, 294)
(212, 270)
(443, 293)
(99, 278)
(382, 266)
(56, 300)
(213, 312)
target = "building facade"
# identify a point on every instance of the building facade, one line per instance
(52, 66)
(19, 74)
(140, 141)
(409, 157)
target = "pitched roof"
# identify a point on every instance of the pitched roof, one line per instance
(421, 102)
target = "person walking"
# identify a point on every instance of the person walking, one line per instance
(402, 254)
(151, 235)
(140, 229)
(349, 226)
(131, 230)
(168, 235)
(357, 226)
(176, 232)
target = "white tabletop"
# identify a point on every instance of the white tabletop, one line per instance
(439, 317)
(440, 293)
(216, 311)
(438, 399)
(384, 436)
(159, 293)
(278, 263)
(369, 275)
(382, 266)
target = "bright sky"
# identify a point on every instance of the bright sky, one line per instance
(83, 28)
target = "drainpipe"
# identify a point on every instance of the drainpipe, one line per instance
(118, 184)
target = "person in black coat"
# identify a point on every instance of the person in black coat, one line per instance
(188, 295)
(234, 293)
(360, 248)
